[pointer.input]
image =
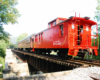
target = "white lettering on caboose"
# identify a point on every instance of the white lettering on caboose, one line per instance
(56, 43)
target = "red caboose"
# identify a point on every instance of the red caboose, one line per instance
(71, 36)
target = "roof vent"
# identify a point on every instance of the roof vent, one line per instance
(87, 18)
(70, 17)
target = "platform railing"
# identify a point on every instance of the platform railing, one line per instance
(93, 42)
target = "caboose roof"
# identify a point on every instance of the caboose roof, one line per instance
(65, 20)
(57, 18)
(83, 20)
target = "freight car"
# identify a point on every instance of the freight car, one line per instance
(68, 37)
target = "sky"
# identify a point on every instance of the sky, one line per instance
(35, 14)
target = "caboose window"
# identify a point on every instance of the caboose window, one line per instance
(60, 21)
(49, 25)
(87, 29)
(73, 27)
(54, 23)
(39, 37)
(36, 38)
(81, 29)
(61, 30)
(32, 39)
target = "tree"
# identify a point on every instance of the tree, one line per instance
(97, 16)
(3, 46)
(22, 36)
(4, 35)
(8, 11)
(11, 46)
(8, 14)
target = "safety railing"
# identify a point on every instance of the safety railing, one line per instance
(94, 40)
(91, 41)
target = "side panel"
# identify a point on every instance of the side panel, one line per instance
(51, 38)
(24, 44)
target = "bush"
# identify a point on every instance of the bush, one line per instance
(2, 61)
(3, 47)
(2, 52)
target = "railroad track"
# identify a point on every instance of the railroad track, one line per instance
(75, 62)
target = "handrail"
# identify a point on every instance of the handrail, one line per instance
(98, 43)
(88, 40)
(94, 35)
(91, 39)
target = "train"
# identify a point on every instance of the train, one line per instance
(68, 37)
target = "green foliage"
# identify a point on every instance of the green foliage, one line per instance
(4, 35)
(2, 61)
(11, 46)
(22, 36)
(2, 52)
(8, 11)
(98, 57)
(3, 46)
(97, 16)
(15, 45)
(8, 14)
